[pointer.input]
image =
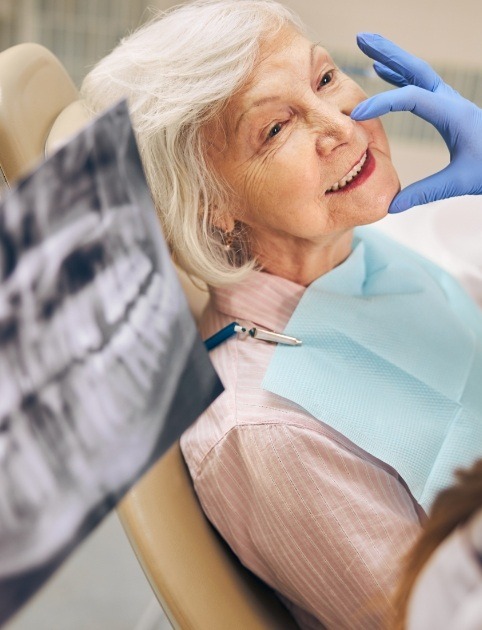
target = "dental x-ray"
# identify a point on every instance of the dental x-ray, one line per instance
(101, 366)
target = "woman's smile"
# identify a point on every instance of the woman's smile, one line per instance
(356, 176)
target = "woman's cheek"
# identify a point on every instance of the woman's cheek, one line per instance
(258, 178)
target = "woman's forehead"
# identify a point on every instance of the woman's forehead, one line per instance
(290, 55)
(287, 47)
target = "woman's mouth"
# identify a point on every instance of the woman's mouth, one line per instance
(357, 175)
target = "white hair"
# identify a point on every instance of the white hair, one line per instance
(177, 72)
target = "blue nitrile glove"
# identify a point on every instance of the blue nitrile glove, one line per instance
(424, 93)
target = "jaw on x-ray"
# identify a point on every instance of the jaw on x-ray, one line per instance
(101, 367)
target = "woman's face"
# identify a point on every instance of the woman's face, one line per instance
(302, 172)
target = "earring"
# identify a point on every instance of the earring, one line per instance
(228, 241)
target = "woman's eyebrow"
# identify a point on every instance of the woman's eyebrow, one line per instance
(312, 53)
(269, 99)
(261, 101)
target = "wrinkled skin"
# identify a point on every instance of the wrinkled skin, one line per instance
(282, 142)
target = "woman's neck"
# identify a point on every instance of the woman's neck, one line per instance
(307, 261)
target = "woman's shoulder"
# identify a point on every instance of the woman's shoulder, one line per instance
(240, 419)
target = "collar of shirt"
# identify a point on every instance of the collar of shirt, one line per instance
(269, 301)
(263, 299)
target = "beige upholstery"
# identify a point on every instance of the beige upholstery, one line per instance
(35, 88)
(196, 578)
(70, 120)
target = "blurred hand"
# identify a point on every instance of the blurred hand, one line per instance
(423, 92)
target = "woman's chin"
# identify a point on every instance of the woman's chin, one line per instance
(376, 212)
(379, 206)
(369, 202)
(380, 212)
(375, 220)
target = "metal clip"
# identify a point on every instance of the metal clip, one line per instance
(267, 335)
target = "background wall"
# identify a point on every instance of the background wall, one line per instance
(442, 31)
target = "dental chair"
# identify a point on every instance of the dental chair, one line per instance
(198, 581)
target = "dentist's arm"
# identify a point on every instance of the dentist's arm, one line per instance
(424, 93)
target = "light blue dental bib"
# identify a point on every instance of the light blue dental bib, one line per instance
(392, 359)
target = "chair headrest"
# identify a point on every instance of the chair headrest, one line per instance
(68, 122)
(35, 89)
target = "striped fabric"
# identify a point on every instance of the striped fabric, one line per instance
(310, 513)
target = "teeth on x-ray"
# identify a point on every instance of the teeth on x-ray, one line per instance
(83, 321)
(97, 349)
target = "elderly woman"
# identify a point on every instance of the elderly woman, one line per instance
(313, 464)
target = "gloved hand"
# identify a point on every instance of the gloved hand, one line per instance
(423, 92)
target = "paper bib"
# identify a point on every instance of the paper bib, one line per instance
(392, 359)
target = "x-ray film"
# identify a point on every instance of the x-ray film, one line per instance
(101, 366)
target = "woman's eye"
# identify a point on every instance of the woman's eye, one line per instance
(325, 79)
(274, 131)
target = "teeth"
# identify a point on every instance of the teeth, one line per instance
(349, 176)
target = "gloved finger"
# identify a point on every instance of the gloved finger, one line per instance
(389, 75)
(431, 107)
(405, 99)
(415, 71)
(438, 186)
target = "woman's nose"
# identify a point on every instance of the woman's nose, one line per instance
(334, 127)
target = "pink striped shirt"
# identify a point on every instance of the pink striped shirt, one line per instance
(314, 516)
